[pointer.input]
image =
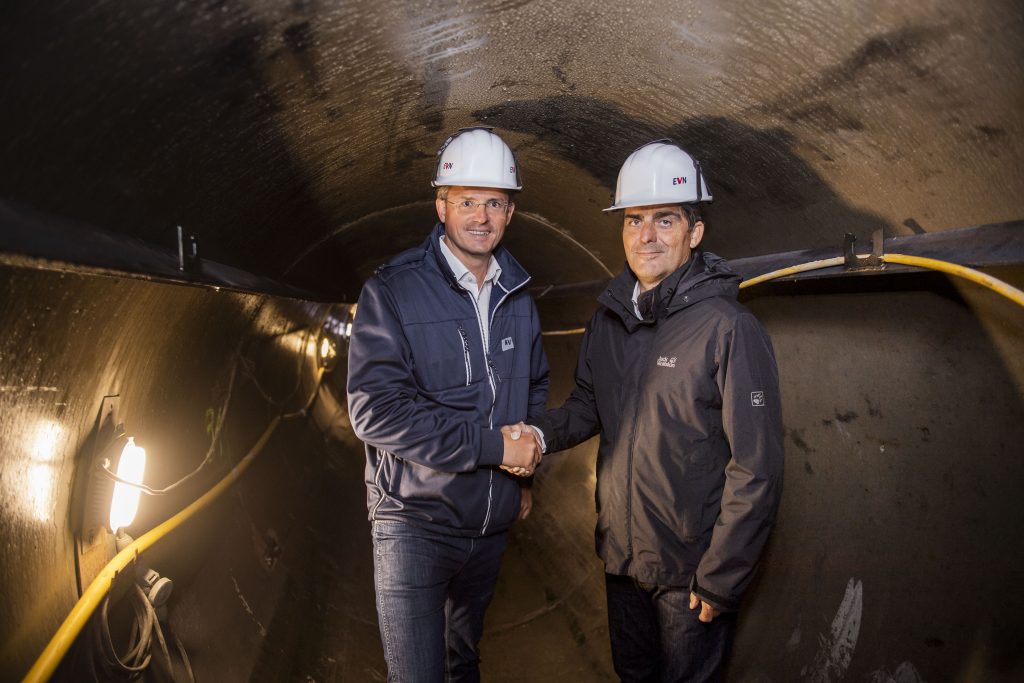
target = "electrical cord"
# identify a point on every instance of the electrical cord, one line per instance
(108, 665)
(104, 467)
(98, 590)
(247, 365)
(240, 362)
(1009, 291)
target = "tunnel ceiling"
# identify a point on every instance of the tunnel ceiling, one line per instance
(297, 139)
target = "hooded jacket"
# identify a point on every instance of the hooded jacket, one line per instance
(428, 400)
(690, 459)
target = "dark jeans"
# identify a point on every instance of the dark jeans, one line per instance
(657, 638)
(432, 592)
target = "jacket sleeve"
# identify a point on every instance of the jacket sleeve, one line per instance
(752, 420)
(539, 379)
(577, 419)
(385, 405)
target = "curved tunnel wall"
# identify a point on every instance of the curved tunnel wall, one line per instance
(902, 470)
(296, 139)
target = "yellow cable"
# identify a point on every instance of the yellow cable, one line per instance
(1009, 291)
(792, 270)
(100, 586)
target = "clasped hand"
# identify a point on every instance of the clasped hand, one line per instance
(523, 450)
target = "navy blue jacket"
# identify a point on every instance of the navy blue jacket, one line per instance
(420, 391)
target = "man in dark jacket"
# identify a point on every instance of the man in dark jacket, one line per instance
(445, 349)
(680, 380)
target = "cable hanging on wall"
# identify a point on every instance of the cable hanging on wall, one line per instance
(876, 260)
(146, 604)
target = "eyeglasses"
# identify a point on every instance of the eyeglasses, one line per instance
(468, 206)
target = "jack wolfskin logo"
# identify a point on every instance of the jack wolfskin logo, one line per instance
(666, 362)
(757, 398)
(506, 344)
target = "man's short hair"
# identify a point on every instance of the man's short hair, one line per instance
(692, 213)
(442, 193)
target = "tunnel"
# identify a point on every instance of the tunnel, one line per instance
(192, 195)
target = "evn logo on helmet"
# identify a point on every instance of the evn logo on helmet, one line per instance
(679, 181)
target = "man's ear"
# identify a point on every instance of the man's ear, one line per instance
(442, 208)
(696, 234)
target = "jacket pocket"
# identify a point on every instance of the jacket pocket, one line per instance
(441, 357)
(465, 350)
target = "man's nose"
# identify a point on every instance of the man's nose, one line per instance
(648, 233)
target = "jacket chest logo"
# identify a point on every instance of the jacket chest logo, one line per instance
(506, 344)
(666, 362)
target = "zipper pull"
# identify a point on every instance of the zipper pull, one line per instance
(494, 370)
(465, 352)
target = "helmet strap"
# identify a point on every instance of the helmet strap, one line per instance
(696, 167)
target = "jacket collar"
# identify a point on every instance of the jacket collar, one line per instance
(703, 276)
(513, 276)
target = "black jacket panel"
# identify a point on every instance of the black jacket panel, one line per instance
(689, 469)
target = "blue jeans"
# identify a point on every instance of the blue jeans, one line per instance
(432, 592)
(657, 638)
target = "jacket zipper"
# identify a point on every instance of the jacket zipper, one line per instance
(465, 351)
(632, 446)
(490, 413)
(491, 375)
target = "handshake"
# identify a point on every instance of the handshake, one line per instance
(523, 449)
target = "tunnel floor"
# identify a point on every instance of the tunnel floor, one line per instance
(326, 626)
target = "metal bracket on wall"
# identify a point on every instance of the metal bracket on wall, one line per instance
(873, 262)
(188, 252)
(94, 545)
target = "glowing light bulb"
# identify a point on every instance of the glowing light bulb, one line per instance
(125, 501)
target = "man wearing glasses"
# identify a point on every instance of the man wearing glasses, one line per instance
(445, 349)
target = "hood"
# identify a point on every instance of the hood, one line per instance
(703, 276)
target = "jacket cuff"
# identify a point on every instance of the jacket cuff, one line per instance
(720, 603)
(543, 428)
(492, 448)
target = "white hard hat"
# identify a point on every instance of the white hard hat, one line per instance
(476, 157)
(660, 172)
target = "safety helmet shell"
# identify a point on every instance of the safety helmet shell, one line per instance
(660, 172)
(476, 157)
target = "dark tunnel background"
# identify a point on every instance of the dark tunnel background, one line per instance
(296, 140)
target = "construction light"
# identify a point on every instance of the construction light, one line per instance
(327, 351)
(125, 501)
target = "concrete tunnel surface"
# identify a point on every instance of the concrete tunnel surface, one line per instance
(295, 141)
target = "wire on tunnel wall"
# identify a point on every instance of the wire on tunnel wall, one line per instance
(76, 620)
(996, 285)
